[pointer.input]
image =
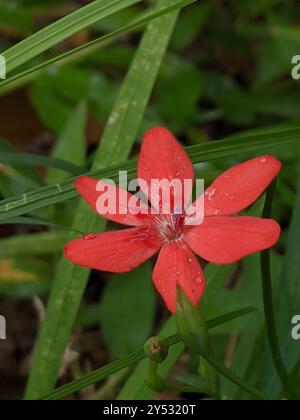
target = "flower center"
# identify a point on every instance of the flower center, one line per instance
(171, 227)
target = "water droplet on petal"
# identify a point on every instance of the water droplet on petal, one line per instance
(217, 212)
(89, 236)
(263, 160)
(210, 193)
(198, 279)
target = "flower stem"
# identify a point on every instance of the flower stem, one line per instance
(269, 306)
(194, 333)
(153, 380)
(231, 376)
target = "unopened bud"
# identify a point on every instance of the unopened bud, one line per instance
(157, 349)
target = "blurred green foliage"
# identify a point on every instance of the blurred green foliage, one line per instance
(227, 70)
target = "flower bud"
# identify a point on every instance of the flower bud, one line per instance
(157, 349)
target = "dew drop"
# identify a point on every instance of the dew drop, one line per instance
(210, 194)
(198, 279)
(89, 236)
(217, 212)
(263, 160)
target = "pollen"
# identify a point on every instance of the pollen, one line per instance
(171, 227)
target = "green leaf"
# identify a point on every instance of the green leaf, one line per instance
(287, 305)
(15, 16)
(116, 143)
(242, 357)
(77, 53)
(16, 206)
(58, 31)
(30, 159)
(186, 93)
(71, 144)
(231, 376)
(124, 297)
(189, 25)
(17, 176)
(33, 244)
(38, 222)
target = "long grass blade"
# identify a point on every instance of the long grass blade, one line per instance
(79, 52)
(19, 205)
(33, 244)
(30, 159)
(60, 30)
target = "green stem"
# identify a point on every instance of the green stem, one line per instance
(157, 384)
(153, 380)
(269, 306)
(228, 374)
(193, 330)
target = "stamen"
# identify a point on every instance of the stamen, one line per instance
(171, 227)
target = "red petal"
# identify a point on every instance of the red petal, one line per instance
(177, 265)
(238, 187)
(117, 251)
(92, 190)
(163, 158)
(224, 240)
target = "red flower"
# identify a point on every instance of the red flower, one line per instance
(222, 238)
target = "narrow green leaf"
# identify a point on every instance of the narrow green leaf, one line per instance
(231, 376)
(38, 222)
(16, 206)
(30, 159)
(33, 244)
(287, 305)
(61, 30)
(242, 357)
(28, 75)
(22, 175)
(267, 291)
